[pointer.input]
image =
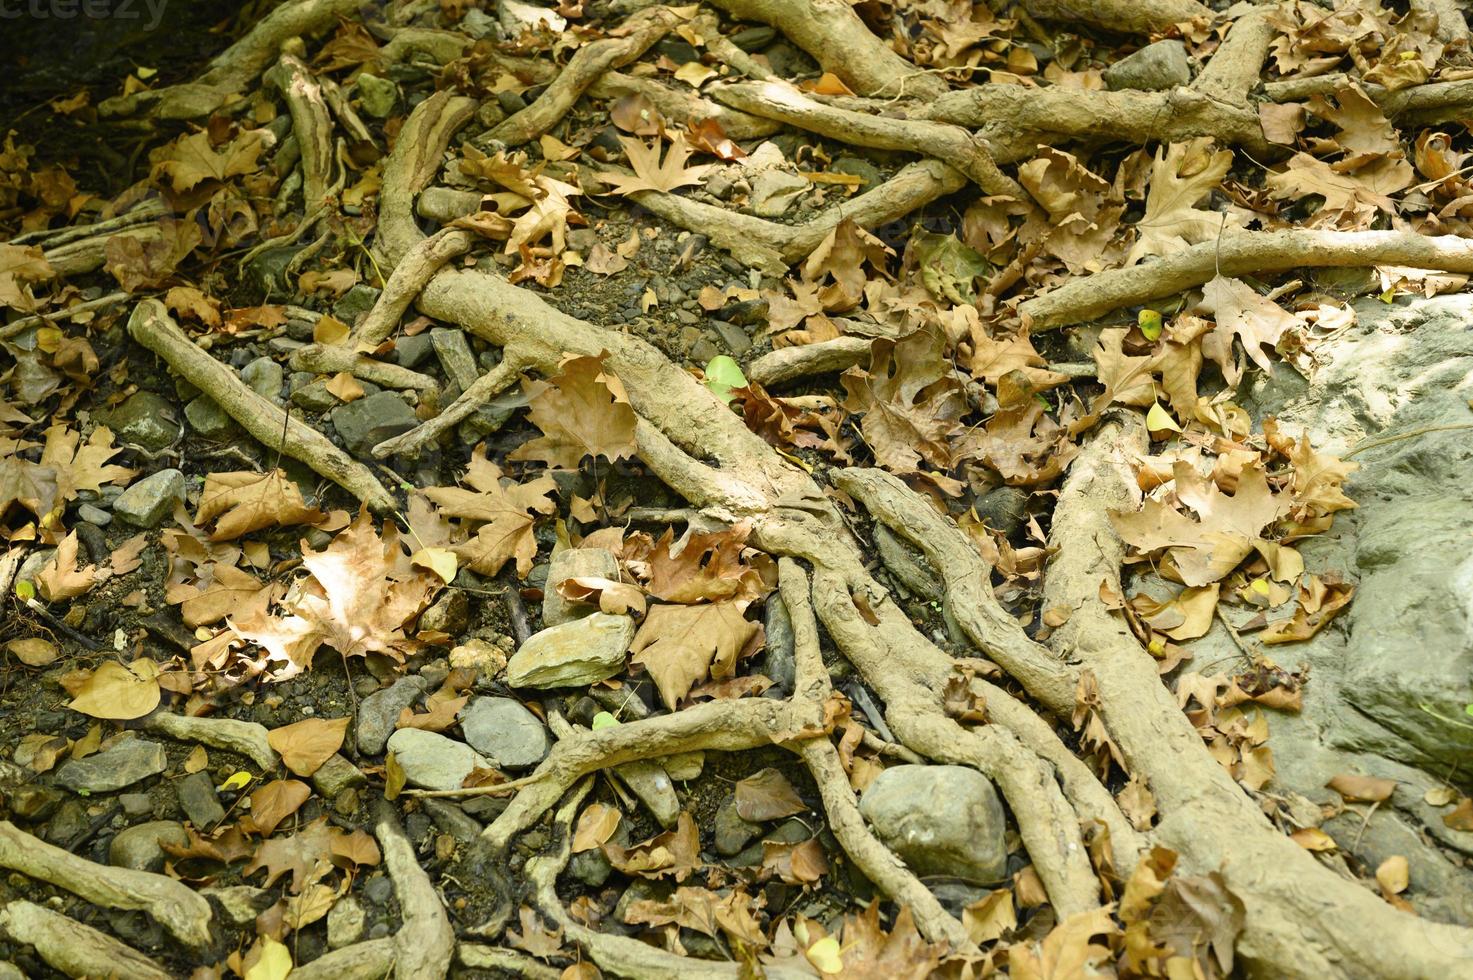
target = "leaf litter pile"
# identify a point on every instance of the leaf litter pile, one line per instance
(594, 490)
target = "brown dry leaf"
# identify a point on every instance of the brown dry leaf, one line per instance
(190, 160)
(307, 744)
(1356, 788)
(60, 578)
(767, 795)
(1083, 211)
(653, 174)
(1243, 314)
(344, 387)
(83, 466)
(1318, 477)
(312, 853)
(989, 919)
(676, 852)
(582, 411)
(443, 712)
(1462, 816)
(1319, 601)
(681, 646)
(796, 864)
(274, 802)
(709, 567)
(1186, 616)
(703, 910)
(33, 651)
(1182, 175)
(614, 598)
(1067, 951)
(535, 938)
(187, 301)
(20, 266)
(119, 692)
(508, 513)
(221, 590)
(911, 399)
(246, 502)
(1138, 803)
(596, 824)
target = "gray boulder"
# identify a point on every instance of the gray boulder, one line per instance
(501, 729)
(368, 421)
(121, 764)
(584, 651)
(145, 419)
(433, 761)
(147, 502)
(939, 820)
(1154, 67)
(379, 712)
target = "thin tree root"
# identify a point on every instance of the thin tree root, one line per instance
(152, 327)
(227, 734)
(372, 959)
(1127, 16)
(178, 908)
(1235, 67)
(1237, 253)
(806, 360)
(477, 956)
(485, 388)
(311, 124)
(1427, 104)
(75, 949)
(17, 327)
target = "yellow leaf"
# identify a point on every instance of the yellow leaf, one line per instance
(118, 692)
(274, 963)
(1160, 420)
(824, 955)
(441, 561)
(237, 780)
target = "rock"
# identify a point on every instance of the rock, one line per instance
(68, 823)
(432, 761)
(584, 651)
(140, 847)
(684, 766)
(477, 23)
(367, 422)
(345, 922)
(734, 337)
(455, 356)
(939, 820)
(1004, 509)
(33, 564)
(590, 868)
(94, 515)
(775, 191)
(778, 663)
(574, 563)
(208, 419)
(754, 38)
(452, 820)
(378, 890)
(121, 764)
(135, 805)
(411, 352)
(516, 16)
(501, 729)
(448, 615)
(240, 903)
(314, 397)
(147, 502)
(378, 712)
(648, 781)
(1157, 66)
(859, 167)
(377, 96)
(197, 799)
(353, 305)
(732, 832)
(265, 377)
(486, 659)
(267, 271)
(143, 418)
(336, 775)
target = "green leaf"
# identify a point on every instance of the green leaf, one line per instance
(724, 374)
(25, 589)
(949, 269)
(604, 720)
(1150, 323)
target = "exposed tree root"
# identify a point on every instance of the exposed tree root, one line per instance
(425, 942)
(479, 957)
(684, 104)
(947, 143)
(152, 327)
(806, 360)
(17, 327)
(1238, 253)
(485, 388)
(311, 125)
(1303, 920)
(1427, 104)
(75, 949)
(227, 734)
(233, 71)
(588, 63)
(1129, 16)
(174, 905)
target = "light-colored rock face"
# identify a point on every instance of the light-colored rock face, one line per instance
(574, 654)
(1157, 66)
(121, 764)
(939, 820)
(147, 502)
(503, 730)
(431, 760)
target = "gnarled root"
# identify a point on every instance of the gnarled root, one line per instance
(73, 948)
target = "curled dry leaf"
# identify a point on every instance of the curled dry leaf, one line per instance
(246, 502)
(1362, 789)
(767, 795)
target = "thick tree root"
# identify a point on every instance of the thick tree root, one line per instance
(233, 71)
(152, 327)
(175, 906)
(1129, 16)
(75, 949)
(227, 734)
(805, 360)
(1427, 104)
(311, 124)
(1238, 253)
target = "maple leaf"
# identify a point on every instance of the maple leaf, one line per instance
(190, 160)
(1351, 199)
(84, 466)
(994, 357)
(1318, 477)
(246, 502)
(1240, 312)
(27, 484)
(312, 853)
(509, 512)
(221, 590)
(683, 645)
(709, 567)
(1023, 443)
(842, 256)
(1228, 529)
(870, 953)
(653, 174)
(911, 400)
(21, 265)
(1182, 175)
(61, 578)
(582, 411)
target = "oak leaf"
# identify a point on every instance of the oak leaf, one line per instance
(653, 174)
(911, 399)
(681, 646)
(83, 466)
(1182, 174)
(582, 411)
(1243, 314)
(508, 513)
(20, 266)
(312, 853)
(191, 160)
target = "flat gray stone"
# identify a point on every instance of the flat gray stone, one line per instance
(145, 419)
(380, 711)
(775, 191)
(197, 799)
(314, 397)
(150, 500)
(119, 765)
(411, 352)
(584, 651)
(94, 515)
(502, 729)
(265, 377)
(140, 846)
(207, 418)
(939, 820)
(240, 903)
(355, 304)
(452, 820)
(1157, 66)
(432, 761)
(367, 422)
(454, 352)
(649, 781)
(336, 775)
(574, 563)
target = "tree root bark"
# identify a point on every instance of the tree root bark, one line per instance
(805, 360)
(152, 327)
(311, 124)
(1126, 16)
(184, 913)
(227, 734)
(75, 949)
(1427, 104)
(1238, 253)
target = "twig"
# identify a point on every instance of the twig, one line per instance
(1362, 446)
